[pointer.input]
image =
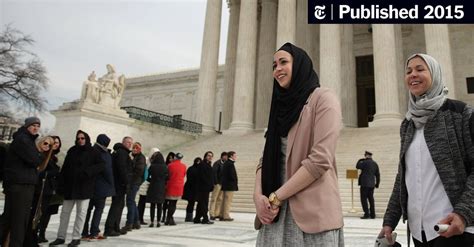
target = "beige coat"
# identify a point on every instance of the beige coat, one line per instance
(312, 144)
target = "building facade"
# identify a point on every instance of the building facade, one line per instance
(363, 64)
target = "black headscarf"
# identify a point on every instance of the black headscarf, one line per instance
(284, 112)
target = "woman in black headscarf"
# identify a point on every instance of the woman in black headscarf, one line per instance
(296, 190)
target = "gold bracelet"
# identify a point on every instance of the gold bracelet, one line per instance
(273, 199)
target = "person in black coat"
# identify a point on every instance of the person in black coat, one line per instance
(157, 176)
(104, 187)
(229, 185)
(77, 178)
(20, 179)
(205, 185)
(51, 175)
(190, 189)
(216, 196)
(136, 179)
(368, 179)
(121, 163)
(43, 189)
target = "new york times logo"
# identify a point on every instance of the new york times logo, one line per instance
(389, 11)
(319, 12)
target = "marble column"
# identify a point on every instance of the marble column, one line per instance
(438, 45)
(209, 63)
(386, 76)
(330, 59)
(301, 23)
(286, 22)
(230, 59)
(267, 37)
(243, 106)
(349, 86)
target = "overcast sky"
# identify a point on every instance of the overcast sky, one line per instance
(75, 37)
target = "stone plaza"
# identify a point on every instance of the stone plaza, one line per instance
(238, 233)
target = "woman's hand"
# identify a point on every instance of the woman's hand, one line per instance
(456, 225)
(386, 232)
(265, 212)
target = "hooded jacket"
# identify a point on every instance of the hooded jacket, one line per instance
(79, 172)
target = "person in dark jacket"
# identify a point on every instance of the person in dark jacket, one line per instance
(190, 189)
(136, 179)
(50, 190)
(19, 182)
(42, 190)
(204, 187)
(77, 178)
(143, 190)
(121, 163)
(229, 185)
(368, 179)
(3, 156)
(104, 187)
(216, 196)
(157, 176)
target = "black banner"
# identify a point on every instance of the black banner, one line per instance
(373, 11)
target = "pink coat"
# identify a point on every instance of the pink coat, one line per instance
(176, 174)
(312, 144)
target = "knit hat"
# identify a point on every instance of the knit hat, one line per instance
(103, 140)
(179, 156)
(153, 150)
(32, 120)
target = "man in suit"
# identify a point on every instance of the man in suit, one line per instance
(368, 179)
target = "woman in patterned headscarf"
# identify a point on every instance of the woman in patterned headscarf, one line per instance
(436, 159)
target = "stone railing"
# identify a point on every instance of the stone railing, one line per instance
(161, 119)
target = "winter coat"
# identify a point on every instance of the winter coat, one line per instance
(190, 187)
(50, 174)
(138, 168)
(22, 159)
(104, 184)
(449, 135)
(370, 175)
(217, 171)
(79, 172)
(158, 175)
(175, 184)
(122, 164)
(229, 176)
(204, 181)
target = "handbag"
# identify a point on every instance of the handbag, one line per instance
(256, 223)
(39, 211)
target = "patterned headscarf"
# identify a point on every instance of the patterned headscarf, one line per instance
(420, 108)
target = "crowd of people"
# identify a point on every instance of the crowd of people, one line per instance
(37, 184)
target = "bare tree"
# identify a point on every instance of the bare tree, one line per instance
(22, 74)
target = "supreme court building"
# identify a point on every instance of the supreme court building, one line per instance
(363, 64)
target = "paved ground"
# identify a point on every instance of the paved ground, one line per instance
(240, 232)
